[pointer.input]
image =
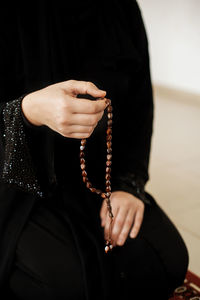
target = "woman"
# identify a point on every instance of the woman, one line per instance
(55, 61)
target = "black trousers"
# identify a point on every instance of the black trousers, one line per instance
(47, 265)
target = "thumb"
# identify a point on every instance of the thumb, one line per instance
(86, 87)
(92, 90)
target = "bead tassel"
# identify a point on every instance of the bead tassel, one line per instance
(105, 195)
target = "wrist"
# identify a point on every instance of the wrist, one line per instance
(30, 109)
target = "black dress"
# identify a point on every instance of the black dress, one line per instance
(44, 205)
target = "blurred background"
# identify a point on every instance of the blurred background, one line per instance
(173, 29)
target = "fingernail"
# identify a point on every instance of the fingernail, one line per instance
(120, 241)
(132, 235)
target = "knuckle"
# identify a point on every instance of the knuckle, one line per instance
(93, 108)
(71, 81)
(129, 223)
(115, 231)
(63, 105)
(141, 205)
(91, 128)
(93, 120)
(62, 122)
(100, 115)
(86, 135)
(119, 222)
(65, 133)
(89, 83)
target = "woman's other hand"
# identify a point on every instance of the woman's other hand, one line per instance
(58, 107)
(128, 214)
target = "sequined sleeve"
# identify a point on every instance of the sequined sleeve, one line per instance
(17, 168)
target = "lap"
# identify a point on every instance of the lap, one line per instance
(47, 257)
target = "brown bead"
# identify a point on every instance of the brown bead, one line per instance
(109, 122)
(109, 137)
(108, 189)
(109, 131)
(108, 194)
(109, 150)
(108, 182)
(83, 142)
(109, 156)
(110, 115)
(107, 249)
(98, 191)
(108, 176)
(108, 163)
(83, 166)
(82, 154)
(85, 179)
(108, 101)
(88, 184)
(108, 170)
(82, 160)
(92, 189)
(103, 195)
(109, 144)
(84, 173)
(109, 108)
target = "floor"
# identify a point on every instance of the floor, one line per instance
(175, 165)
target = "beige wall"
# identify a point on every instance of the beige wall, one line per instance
(173, 28)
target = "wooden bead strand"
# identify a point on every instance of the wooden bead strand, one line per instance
(105, 195)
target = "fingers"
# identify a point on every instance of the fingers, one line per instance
(80, 125)
(85, 119)
(107, 221)
(118, 224)
(128, 214)
(137, 222)
(85, 106)
(126, 228)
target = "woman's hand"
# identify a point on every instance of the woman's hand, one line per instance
(58, 107)
(128, 214)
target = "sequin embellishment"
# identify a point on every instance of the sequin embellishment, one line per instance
(18, 168)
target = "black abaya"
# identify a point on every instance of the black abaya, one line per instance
(104, 42)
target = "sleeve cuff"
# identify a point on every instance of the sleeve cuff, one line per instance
(18, 168)
(132, 184)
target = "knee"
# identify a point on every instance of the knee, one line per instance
(178, 264)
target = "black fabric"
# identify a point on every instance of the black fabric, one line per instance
(48, 261)
(44, 42)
